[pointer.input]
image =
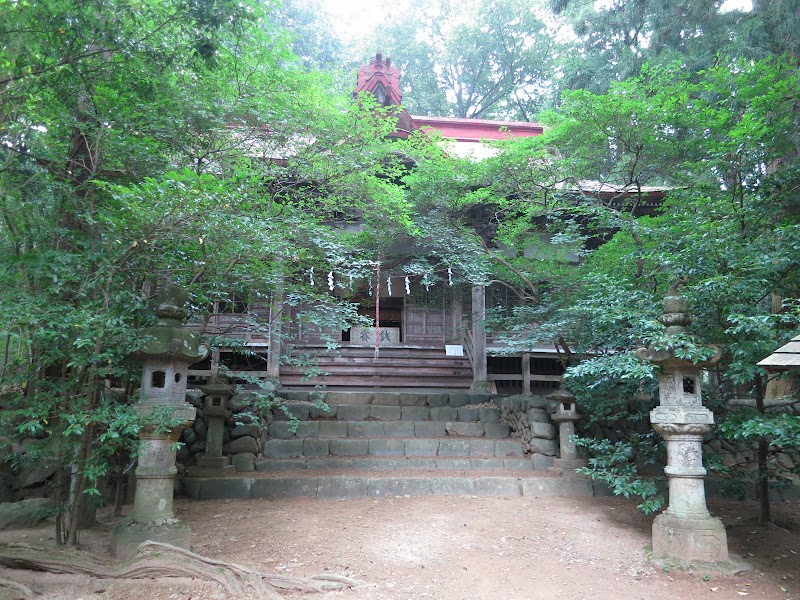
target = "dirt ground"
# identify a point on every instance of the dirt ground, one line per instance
(449, 548)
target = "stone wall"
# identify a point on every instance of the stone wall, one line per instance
(243, 437)
(529, 419)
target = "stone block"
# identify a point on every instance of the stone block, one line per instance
(385, 413)
(503, 448)
(456, 429)
(488, 464)
(347, 447)
(386, 448)
(307, 429)
(332, 429)
(323, 412)
(498, 486)
(452, 447)
(277, 488)
(415, 413)
(476, 398)
(536, 402)
(556, 487)
(398, 429)
(429, 429)
(468, 414)
(458, 399)
(543, 446)
(336, 398)
(283, 448)
(497, 430)
(525, 464)
(386, 398)
(296, 396)
(342, 487)
(353, 412)
(244, 462)
(488, 414)
(543, 430)
(242, 430)
(242, 444)
(274, 465)
(437, 400)
(330, 464)
(541, 462)
(281, 430)
(421, 447)
(444, 413)
(313, 447)
(688, 540)
(400, 486)
(481, 447)
(376, 464)
(413, 399)
(419, 463)
(453, 486)
(454, 464)
(298, 410)
(538, 415)
(225, 489)
(362, 429)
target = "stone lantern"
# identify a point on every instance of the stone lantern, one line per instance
(685, 530)
(566, 415)
(215, 408)
(168, 350)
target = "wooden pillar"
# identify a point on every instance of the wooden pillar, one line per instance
(526, 373)
(480, 381)
(275, 333)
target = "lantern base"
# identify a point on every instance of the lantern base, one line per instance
(690, 539)
(126, 537)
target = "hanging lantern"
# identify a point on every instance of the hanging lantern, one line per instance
(408, 286)
(330, 280)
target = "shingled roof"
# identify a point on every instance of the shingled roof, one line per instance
(784, 358)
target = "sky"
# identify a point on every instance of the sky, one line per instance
(351, 17)
(355, 19)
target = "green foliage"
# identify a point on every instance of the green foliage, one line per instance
(618, 465)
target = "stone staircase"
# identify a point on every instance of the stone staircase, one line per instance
(379, 444)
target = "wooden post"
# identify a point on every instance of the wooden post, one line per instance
(526, 373)
(275, 333)
(480, 381)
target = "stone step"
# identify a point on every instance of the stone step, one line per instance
(304, 411)
(284, 430)
(384, 485)
(431, 399)
(395, 463)
(416, 447)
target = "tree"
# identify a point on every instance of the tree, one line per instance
(618, 38)
(476, 59)
(729, 227)
(162, 141)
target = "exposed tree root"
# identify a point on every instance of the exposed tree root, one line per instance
(21, 590)
(154, 560)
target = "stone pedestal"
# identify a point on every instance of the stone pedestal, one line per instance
(685, 530)
(167, 352)
(566, 416)
(215, 409)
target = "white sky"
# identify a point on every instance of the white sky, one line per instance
(355, 19)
